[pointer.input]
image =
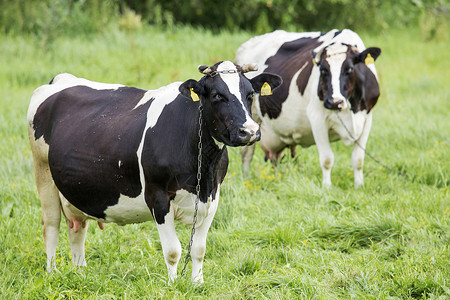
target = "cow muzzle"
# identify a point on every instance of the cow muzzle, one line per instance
(247, 136)
(335, 103)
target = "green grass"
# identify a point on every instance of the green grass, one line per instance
(278, 235)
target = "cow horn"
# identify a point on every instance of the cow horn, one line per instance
(316, 54)
(354, 49)
(249, 67)
(204, 69)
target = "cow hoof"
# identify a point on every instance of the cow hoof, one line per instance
(326, 185)
(198, 281)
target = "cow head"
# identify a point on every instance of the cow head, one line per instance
(342, 74)
(227, 95)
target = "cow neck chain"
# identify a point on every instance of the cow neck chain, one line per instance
(367, 153)
(197, 188)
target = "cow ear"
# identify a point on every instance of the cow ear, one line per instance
(190, 88)
(265, 83)
(368, 56)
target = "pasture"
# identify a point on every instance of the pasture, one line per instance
(277, 235)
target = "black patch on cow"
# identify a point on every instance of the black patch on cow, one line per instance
(366, 92)
(93, 137)
(170, 164)
(324, 86)
(337, 33)
(291, 57)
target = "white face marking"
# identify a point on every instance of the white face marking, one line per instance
(120, 163)
(232, 81)
(336, 55)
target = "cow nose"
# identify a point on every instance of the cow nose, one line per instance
(335, 103)
(340, 102)
(248, 136)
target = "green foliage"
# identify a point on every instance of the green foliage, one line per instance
(51, 18)
(266, 15)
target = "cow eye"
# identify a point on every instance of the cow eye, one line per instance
(250, 97)
(218, 98)
(323, 72)
(349, 71)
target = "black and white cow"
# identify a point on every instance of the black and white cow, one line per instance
(119, 154)
(328, 79)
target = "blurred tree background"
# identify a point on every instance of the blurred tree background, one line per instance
(48, 18)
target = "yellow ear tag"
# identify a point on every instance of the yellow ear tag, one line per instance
(369, 59)
(194, 96)
(266, 90)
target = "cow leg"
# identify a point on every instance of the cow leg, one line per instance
(51, 210)
(77, 229)
(326, 156)
(163, 213)
(358, 153)
(199, 242)
(77, 237)
(247, 156)
(170, 244)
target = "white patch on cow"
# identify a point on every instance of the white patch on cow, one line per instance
(120, 163)
(128, 210)
(346, 36)
(258, 49)
(162, 97)
(220, 145)
(288, 126)
(353, 122)
(165, 94)
(39, 147)
(232, 81)
(336, 55)
(184, 207)
(328, 36)
(61, 82)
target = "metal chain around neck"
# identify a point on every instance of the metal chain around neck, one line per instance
(367, 153)
(197, 188)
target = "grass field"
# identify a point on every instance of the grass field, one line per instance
(275, 236)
